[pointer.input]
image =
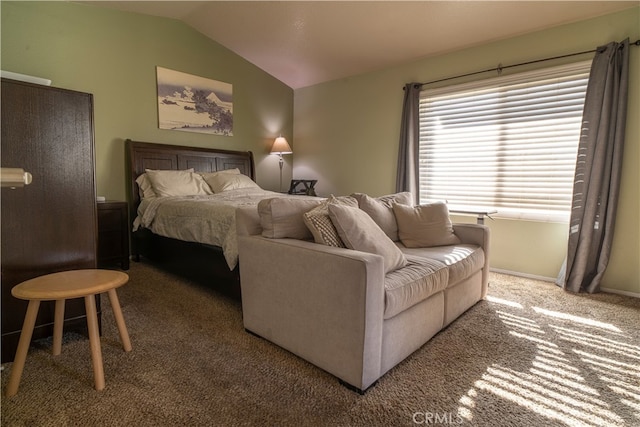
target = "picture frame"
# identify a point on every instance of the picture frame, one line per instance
(194, 104)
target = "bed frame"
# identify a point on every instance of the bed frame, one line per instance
(196, 261)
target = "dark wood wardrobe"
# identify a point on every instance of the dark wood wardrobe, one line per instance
(50, 224)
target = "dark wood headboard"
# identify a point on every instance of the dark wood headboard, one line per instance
(147, 155)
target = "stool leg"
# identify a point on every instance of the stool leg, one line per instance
(58, 321)
(23, 347)
(117, 313)
(94, 341)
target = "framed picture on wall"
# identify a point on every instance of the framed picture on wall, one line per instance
(193, 103)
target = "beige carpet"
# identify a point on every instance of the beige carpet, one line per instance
(531, 355)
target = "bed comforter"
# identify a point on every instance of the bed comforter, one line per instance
(204, 219)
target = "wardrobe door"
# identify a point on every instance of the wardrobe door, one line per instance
(50, 224)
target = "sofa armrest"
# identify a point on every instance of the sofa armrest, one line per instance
(477, 234)
(322, 303)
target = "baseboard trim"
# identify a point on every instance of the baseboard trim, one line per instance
(553, 280)
(525, 275)
(619, 292)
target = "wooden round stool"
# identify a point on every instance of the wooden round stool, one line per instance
(59, 287)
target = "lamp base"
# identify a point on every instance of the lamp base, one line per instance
(281, 162)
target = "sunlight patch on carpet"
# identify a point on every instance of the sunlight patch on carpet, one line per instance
(577, 319)
(503, 301)
(526, 390)
(556, 383)
(468, 404)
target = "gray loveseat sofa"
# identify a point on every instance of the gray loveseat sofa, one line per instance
(339, 308)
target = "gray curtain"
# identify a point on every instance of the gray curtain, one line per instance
(408, 157)
(598, 168)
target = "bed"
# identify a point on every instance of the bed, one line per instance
(205, 262)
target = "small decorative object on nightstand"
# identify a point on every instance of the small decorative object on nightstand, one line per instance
(303, 187)
(113, 236)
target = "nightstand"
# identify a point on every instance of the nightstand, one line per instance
(113, 235)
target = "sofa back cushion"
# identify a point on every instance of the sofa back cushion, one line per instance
(380, 210)
(358, 231)
(281, 217)
(425, 225)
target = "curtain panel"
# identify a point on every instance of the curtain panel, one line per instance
(598, 169)
(407, 178)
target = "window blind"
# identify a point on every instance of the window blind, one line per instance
(507, 144)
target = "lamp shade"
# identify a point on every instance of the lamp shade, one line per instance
(281, 146)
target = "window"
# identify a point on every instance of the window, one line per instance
(506, 143)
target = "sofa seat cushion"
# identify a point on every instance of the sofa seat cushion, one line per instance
(462, 260)
(415, 282)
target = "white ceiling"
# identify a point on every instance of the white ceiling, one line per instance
(303, 43)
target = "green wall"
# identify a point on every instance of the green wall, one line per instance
(114, 54)
(346, 133)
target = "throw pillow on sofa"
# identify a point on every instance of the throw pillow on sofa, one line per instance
(380, 210)
(425, 225)
(358, 231)
(320, 225)
(281, 218)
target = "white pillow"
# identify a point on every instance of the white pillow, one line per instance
(229, 181)
(425, 226)
(177, 183)
(358, 231)
(144, 187)
(209, 175)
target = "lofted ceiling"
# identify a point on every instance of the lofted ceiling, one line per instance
(303, 43)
